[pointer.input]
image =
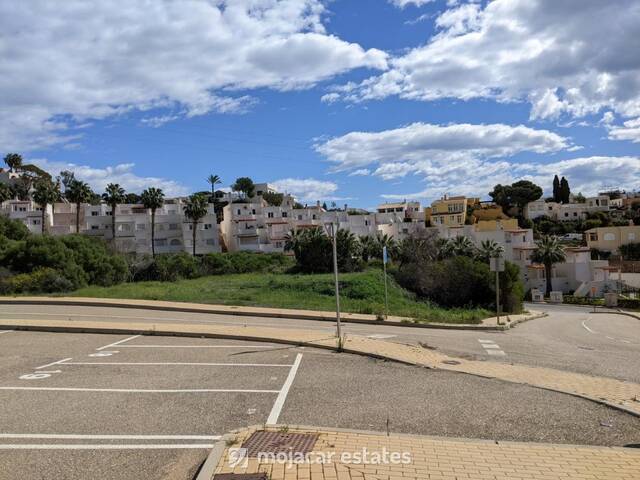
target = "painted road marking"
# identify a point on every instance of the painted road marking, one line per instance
(197, 346)
(584, 325)
(118, 343)
(66, 436)
(184, 363)
(53, 363)
(138, 390)
(193, 446)
(5, 331)
(282, 395)
(380, 336)
(491, 348)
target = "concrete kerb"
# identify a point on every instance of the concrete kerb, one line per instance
(261, 312)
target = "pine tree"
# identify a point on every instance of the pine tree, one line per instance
(565, 191)
(556, 189)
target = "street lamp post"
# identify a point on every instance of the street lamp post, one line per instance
(332, 231)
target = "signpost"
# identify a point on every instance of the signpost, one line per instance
(496, 264)
(385, 259)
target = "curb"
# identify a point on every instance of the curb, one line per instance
(268, 313)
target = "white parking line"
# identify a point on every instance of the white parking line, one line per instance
(184, 363)
(196, 346)
(5, 331)
(53, 363)
(138, 390)
(284, 391)
(65, 436)
(491, 348)
(118, 343)
(20, 446)
(587, 328)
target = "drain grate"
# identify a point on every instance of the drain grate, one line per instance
(276, 442)
(241, 476)
(451, 362)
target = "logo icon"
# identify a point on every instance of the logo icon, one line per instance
(238, 457)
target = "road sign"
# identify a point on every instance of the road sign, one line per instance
(384, 255)
(496, 264)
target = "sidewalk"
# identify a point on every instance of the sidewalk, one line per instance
(616, 393)
(420, 458)
(507, 321)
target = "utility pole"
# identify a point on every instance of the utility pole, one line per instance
(498, 296)
(386, 291)
(335, 274)
(496, 264)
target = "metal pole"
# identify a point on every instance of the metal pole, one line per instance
(386, 292)
(335, 274)
(498, 295)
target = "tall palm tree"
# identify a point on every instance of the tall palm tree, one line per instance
(112, 196)
(153, 199)
(462, 246)
(292, 242)
(383, 240)
(489, 249)
(78, 192)
(367, 247)
(548, 251)
(194, 209)
(13, 161)
(214, 180)
(444, 248)
(45, 193)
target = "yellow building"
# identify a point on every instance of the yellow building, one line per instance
(450, 211)
(609, 239)
(508, 224)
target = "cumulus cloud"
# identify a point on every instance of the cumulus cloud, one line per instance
(64, 62)
(361, 172)
(588, 175)
(98, 178)
(560, 58)
(307, 188)
(629, 130)
(419, 145)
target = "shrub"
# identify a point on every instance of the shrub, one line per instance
(630, 251)
(42, 280)
(166, 268)
(13, 229)
(245, 262)
(630, 303)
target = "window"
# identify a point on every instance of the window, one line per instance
(161, 242)
(175, 242)
(210, 241)
(253, 211)
(141, 226)
(593, 237)
(609, 237)
(284, 214)
(270, 215)
(313, 216)
(278, 244)
(207, 226)
(106, 213)
(95, 227)
(173, 226)
(35, 222)
(94, 214)
(299, 217)
(632, 236)
(239, 212)
(566, 214)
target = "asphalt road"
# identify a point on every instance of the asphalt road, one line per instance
(78, 406)
(571, 338)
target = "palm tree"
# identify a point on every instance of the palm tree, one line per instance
(292, 242)
(444, 248)
(78, 192)
(462, 246)
(383, 240)
(152, 199)
(5, 192)
(489, 249)
(112, 196)
(194, 209)
(213, 180)
(548, 251)
(367, 247)
(45, 193)
(13, 161)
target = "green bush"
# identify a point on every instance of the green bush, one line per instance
(42, 280)
(245, 262)
(13, 229)
(630, 251)
(630, 303)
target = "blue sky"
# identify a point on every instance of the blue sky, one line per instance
(348, 101)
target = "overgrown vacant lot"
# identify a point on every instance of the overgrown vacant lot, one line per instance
(360, 293)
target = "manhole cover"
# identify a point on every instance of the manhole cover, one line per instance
(277, 442)
(241, 476)
(451, 362)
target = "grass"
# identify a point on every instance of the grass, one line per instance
(361, 292)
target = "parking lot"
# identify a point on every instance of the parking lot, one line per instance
(77, 406)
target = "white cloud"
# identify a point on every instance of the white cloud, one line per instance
(63, 62)
(404, 3)
(307, 188)
(361, 172)
(630, 130)
(560, 58)
(122, 173)
(421, 144)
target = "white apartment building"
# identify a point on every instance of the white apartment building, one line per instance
(567, 211)
(28, 212)
(173, 231)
